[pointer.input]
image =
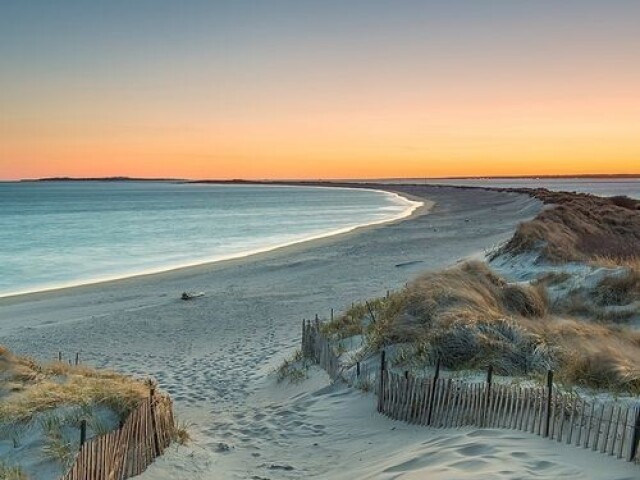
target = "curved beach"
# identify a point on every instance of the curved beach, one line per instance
(193, 252)
(215, 355)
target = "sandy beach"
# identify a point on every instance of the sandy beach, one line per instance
(216, 355)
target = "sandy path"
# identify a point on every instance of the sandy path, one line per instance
(215, 354)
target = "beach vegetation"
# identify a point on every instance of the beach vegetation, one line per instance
(49, 401)
(468, 318)
(57, 446)
(294, 369)
(181, 433)
(46, 387)
(579, 227)
(11, 472)
(552, 278)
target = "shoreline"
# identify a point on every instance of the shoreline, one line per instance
(416, 206)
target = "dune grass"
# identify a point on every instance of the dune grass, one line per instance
(615, 298)
(11, 472)
(28, 388)
(294, 369)
(580, 227)
(469, 318)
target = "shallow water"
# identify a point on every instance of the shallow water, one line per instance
(67, 233)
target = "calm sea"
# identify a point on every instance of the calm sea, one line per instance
(55, 234)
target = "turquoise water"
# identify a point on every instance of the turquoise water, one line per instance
(55, 234)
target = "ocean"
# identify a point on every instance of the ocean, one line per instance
(58, 234)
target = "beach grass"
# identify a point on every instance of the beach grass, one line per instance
(579, 228)
(11, 472)
(28, 388)
(468, 317)
(293, 369)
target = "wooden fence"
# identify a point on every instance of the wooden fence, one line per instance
(128, 451)
(611, 427)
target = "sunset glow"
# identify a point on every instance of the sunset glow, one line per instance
(319, 89)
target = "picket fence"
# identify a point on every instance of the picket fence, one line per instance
(611, 428)
(128, 451)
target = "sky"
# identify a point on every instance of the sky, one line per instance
(318, 89)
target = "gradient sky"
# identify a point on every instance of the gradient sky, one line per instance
(318, 89)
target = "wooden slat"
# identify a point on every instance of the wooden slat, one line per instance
(572, 419)
(588, 422)
(425, 406)
(561, 418)
(495, 390)
(477, 396)
(508, 398)
(438, 399)
(542, 411)
(553, 414)
(598, 429)
(464, 410)
(419, 400)
(513, 407)
(524, 414)
(455, 407)
(607, 430)
(614, 434)
(623, 433)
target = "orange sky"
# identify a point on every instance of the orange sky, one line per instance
(537, 92)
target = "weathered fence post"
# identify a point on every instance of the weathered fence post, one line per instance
(77, 358)
(305, 348)
(332, 314)
(381, 382)
(635, 436)
(154, 428)
(432, 396)
(547, 419)
(487, 397)
(358, 369)
(83, 432)
(59, 356)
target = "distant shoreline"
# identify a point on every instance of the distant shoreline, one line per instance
(595, 176)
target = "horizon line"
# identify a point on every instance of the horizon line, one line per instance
(115, 178)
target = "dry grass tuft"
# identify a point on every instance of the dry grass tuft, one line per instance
(552, 278)
(294, 369)
(619, 289)
(181, 433)
(10, 472)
